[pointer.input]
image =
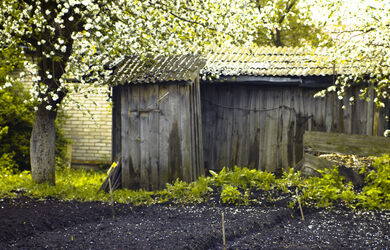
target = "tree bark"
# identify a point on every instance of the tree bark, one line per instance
(42, 146)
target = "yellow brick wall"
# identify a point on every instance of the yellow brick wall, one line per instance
(90, 135)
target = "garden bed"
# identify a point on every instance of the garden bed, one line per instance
(27, 223)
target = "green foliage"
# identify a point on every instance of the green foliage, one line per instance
(330, 188)
(376, 192)
(286, 23)
(229, 186)
(16, 119)
(7, 164)
(325, 190)
(230, 194)
(244, 178)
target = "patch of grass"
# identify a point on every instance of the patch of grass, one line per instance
(238, 187)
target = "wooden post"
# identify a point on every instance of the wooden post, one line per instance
(223, 231)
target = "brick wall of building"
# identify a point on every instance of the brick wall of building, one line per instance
(90, 134)
(90, 137)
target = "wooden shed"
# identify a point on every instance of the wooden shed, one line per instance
(255, 113)
(250, 109)
(156, 129)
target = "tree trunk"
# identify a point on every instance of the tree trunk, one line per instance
(42, 146)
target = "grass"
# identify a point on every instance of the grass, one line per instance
(238, 186)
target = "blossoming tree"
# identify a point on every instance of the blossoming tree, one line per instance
(75, 39)
(360, 30)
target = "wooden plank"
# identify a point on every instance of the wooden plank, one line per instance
(253, 130)
(149, 129)
(346, 143)
(244, 128)
(192, 126)
(260, 121)
(359, 114)
(235, 141)
(133, 138)
(341, 127)
(265, 138)
(329, 112)
(309, 107)
(228, 127)
(116, 123)
(319, 113)
(271, 130)
(199, 130)
(286, 120)
(375, 127)
(164, 128)
(175, 136)
(300, 125)
(347, 114)
(209, 112)
(185, 132)
(124, 136)
(370, 112)
(219, 148)
(278, 103)
(291, 127)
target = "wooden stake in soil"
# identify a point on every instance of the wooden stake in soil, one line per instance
(113, 166)
(223, 231)
(299, 203)
(112, 198)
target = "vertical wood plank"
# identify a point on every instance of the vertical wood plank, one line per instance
(175, 153)
(260, 121)
(253, 130)
(149, 129)
(185, 132)
(199, 129)
(133, 139)
(124, 138)
(285, 118)
(116, 123)
(164, 126)
(370, 112)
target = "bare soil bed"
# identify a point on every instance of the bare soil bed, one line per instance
(32, 224)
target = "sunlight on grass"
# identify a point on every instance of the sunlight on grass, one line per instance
(238, 186)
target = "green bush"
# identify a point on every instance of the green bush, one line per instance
(376, 190)
(16, 119)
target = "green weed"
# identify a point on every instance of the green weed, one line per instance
(235, 186)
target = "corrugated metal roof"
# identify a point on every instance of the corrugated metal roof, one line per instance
(228, 61)
(268, 61)
(133, 69)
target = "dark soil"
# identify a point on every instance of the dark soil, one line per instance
(32, 224)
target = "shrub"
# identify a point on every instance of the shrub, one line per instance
(376, 190)
(16, 119)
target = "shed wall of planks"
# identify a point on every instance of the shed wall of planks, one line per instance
(251, 126)
(262, 126)
(157, 133)
(328, 115)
